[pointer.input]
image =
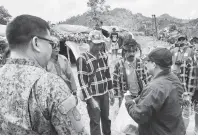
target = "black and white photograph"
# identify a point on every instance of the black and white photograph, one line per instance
(98, 67)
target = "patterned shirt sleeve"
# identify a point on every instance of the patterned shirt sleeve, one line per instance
(60, 104)
(83, 77)
(143, 73)
(116, 80)
(184, 75)
(192, 79)
(70, 75)
(108, 75)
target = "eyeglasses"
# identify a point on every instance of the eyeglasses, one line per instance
(53, 44)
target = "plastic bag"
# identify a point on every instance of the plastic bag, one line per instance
(124, 123)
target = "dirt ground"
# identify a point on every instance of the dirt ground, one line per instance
(146, 44)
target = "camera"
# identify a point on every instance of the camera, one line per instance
(179, 62)
(179, 44)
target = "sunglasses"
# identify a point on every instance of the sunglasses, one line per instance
(52, 43)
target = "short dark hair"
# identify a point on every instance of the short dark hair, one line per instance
(20, 31)
(131, 42)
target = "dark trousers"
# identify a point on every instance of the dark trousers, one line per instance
(96, 114)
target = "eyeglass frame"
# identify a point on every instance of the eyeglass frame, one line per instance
(52, 43)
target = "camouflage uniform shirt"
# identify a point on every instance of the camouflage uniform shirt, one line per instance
(34, 101)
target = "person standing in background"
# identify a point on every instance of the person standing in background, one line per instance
(183, 67)
(114, 42)
(60, 66)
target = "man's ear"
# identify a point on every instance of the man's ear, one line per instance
(35, 44)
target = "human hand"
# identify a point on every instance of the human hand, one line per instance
(111, 94)
(129, 102)
(93, 103)
(186, 99)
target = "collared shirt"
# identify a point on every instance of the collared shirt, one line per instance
(186, 72)
(34, 101)
(62, 68)
(101, 82)
(119, 78)
(132, 78)
(158, 111)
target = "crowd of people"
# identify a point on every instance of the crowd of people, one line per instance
(74, 37)
(39, 94)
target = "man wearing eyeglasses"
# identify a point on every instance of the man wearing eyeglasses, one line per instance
(32, 100)
(60, 66)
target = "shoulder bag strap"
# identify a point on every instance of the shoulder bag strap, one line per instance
(138, 78)
(125, 75)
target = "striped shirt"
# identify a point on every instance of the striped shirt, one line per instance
(89, 66)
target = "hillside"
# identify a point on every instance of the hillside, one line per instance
(119, 16)
(136, 22)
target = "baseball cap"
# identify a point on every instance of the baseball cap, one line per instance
(182, 37)
(96, 36)
(161, 56)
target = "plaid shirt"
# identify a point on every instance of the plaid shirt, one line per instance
(119, 79)
(101, 82)
(187, 73)
(196, 73)
(188, 76)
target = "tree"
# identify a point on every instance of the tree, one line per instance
(98, 8)
(4, 16)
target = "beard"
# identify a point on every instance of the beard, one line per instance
(130, 58)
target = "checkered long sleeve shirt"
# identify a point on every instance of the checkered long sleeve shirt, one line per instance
(101, 82)
(119, 79)
(187, 73)
(188, 76)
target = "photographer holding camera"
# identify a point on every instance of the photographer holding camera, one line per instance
(183, 56)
